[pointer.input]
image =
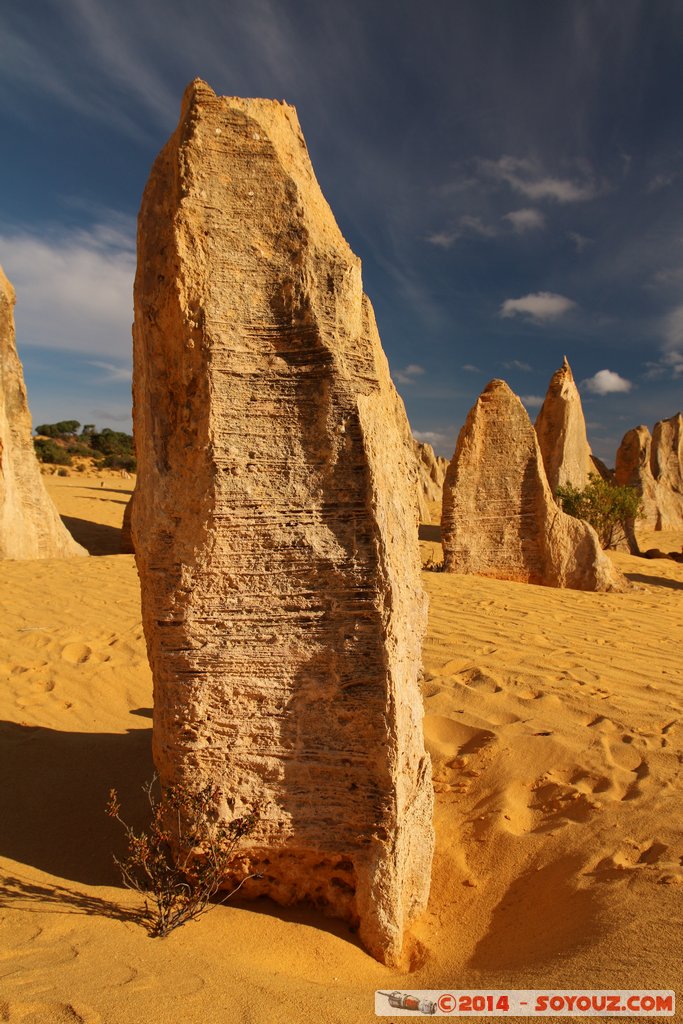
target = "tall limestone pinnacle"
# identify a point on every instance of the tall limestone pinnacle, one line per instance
(274, 524)
(499, 516)
(561, 432)
(30, 526)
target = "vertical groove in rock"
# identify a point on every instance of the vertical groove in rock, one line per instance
(273, 523)
(30, 526)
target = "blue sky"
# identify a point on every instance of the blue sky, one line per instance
(509, 171)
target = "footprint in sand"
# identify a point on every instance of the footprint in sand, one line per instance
(76, 654)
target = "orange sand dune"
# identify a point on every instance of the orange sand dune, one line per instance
(555, 724)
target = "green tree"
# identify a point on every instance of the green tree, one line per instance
(611, 509)
(64, 429)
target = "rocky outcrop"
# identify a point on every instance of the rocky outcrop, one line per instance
(666, 462)
(431, 473)
(499, 516)
(561, 431)
(30, 526)
(273, 524)
(654, 466)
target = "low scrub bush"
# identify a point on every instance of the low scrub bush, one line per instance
(180, 862)
(49, 451)
(608, 507)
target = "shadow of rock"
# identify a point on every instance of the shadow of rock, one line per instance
(542, 915)
(96, 538)
(654, 581)
(109, 490)
(428, 532)
(55, 789)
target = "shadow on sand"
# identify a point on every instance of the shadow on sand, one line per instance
(429, 532)
(52, 803)
(96, 538)
(654, 581)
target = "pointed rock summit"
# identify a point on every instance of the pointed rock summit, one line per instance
(561, 431)
(273, 524)
(30, 526)
(653, 464)
(499, 516)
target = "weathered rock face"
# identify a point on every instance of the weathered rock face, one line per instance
(666, 462)
(273, 523)
(561, 431)
(654, 466)
(499, 516)
(431, 473)
(127, 528)
(29, 524)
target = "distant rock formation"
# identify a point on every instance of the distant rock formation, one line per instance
(30, 526)
(431, 475)
(561, 431)
(654, 466)
(273, 523)
(499, 516)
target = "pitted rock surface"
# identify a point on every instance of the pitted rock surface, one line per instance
(274, 523)
(30, 526)
(499, 516)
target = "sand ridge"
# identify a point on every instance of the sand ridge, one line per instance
(555, 723)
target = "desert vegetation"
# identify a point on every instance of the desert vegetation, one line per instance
(180, 861)
(607, 506)
(59, 443)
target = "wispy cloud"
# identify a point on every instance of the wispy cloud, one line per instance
(517, 364)
(468, 225)
(660, 181)
(581, 242)
(539, 307)
(529, 178)
(111, 372)
(525, 220)
(532, 401)
(607, 382)
(409, 373)
(673, 329)
(470, 368)
(75, 290)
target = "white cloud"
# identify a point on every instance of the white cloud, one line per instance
(74, 292)
(432, 437)
(538, 307)
(607, 382)
(529, 178)
(408, 374)
(470, 368)
(532, 401)
(525, 220)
